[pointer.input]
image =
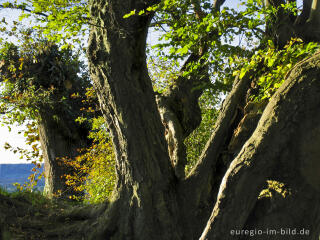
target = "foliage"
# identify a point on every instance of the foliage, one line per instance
(95, 166)
(26, 89)
(275, 187)
(30, 132)
(198, 28)
(162, 72)
(60, 21)
(38, 76)
(272, 65)
(187, 28)
(197, 140)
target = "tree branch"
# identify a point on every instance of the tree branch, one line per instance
(217, 5)
(307, 23)
(180, 111)
(198, 10)
(314, 18)
(303, 17)
(23, 8)
(202, 174)
(179, 107)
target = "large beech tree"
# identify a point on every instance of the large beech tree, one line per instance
(247, 152)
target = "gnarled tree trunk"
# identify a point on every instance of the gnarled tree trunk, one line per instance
(145, 204)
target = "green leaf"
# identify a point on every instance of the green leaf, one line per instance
(141, 12)
(133, 12)
(242, 73)
(183, 51)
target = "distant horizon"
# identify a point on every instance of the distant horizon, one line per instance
(18, 163)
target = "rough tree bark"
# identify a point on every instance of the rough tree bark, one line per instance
(118, 69)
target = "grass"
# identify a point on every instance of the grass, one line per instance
(26, 214)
